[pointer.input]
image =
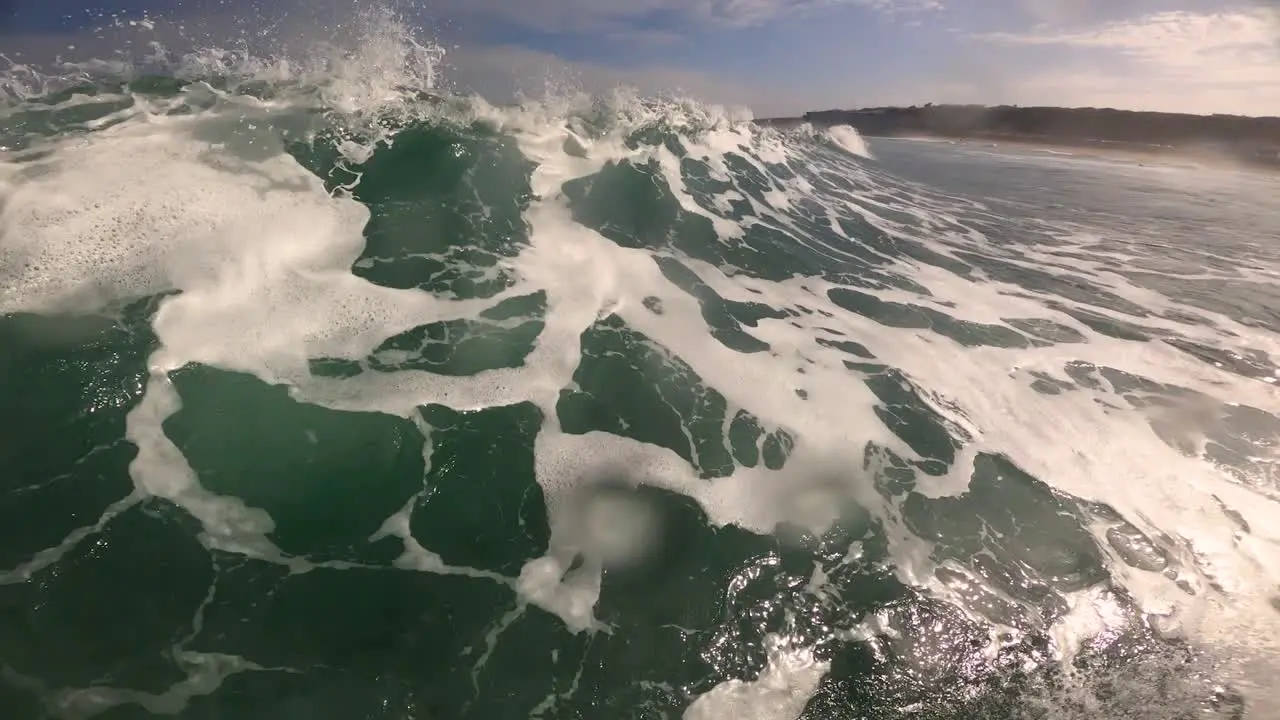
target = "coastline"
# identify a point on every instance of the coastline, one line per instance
(1212, 141)
(1135, 152)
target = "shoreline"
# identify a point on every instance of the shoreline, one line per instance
(1136, 152)
(1202, 155)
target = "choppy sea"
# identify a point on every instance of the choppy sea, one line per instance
(328, 393)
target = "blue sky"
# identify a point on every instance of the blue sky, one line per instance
(782, 57)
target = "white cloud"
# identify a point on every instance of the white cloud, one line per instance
(617, 16)
(499, 72)
(746, 13)
(558, 16)
(1169, 38)
(756, 12)
(1226, 61)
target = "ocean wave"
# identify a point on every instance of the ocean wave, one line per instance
(870, 447)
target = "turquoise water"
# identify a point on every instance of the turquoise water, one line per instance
(328, 399)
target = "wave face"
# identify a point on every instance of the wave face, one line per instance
(331, 393)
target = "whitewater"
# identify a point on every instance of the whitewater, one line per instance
(333, 392)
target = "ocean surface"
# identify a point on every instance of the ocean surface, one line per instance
(329, 393)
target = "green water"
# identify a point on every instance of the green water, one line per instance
(120, 603)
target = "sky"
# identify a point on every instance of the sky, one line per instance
(783, 57)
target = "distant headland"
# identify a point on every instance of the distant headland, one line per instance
(1252, 140)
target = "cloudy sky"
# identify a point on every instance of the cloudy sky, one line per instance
(782, 57)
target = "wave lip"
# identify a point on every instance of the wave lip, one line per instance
(848, 139)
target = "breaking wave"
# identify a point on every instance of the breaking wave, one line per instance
(340, 390)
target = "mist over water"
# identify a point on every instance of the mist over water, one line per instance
(331, 392)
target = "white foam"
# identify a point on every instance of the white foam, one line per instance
(1004, 419)
(258, 248)
(622, 278)
(1078, 446)
(780, 693)
(848, 140)
(1070, 441)
(52, 555)
(205, 673)
(160, 470)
